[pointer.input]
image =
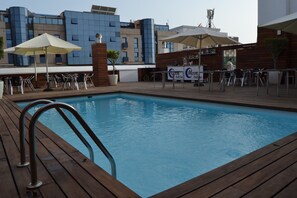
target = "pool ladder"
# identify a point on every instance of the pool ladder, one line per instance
(35, 183)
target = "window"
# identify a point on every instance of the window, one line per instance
(42, 58)
(92, 38)
(74, 21)
(124, 40)
(75, 37)
(113, 39)
(58, 59)
(135, 43)
(8, 34)
(112, 24)
(136, 56)
(6, 19)
(75, 53)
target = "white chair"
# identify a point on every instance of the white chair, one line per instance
(28, 82)
(89, 80)
(81, 81)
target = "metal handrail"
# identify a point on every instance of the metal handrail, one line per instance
(23, 162)
(58, 105)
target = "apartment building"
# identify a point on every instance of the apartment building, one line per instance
(138, 41)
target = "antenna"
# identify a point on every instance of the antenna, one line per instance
(210, 15)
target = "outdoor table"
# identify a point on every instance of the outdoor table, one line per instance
(288, 70)
(222, 78)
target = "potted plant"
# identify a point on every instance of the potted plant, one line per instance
(276, 46)
(112, 57)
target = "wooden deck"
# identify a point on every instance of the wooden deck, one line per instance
(64, 171)
(270, 171)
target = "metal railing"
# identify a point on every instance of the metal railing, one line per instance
(22, 131)
(35, 183)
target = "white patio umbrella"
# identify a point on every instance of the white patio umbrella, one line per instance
(28, 53)
(286, 23)
(201, 37)
(46, 44)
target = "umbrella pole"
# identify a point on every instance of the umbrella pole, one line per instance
(35, 70)
(47, 74)
(199, 62)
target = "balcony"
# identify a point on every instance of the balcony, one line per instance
(124, 45)
(125, 59)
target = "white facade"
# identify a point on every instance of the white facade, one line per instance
(269, 10)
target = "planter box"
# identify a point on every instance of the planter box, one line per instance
(274, 77)
(1, 88)
(113, 79)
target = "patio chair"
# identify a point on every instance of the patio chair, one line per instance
(81, 81)
(16, 82)
(28, 82)
(66, 81)
(89, 80)
(239, 75)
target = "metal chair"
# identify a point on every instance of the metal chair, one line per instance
(16, 82)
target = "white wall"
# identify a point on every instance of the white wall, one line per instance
(269, 10)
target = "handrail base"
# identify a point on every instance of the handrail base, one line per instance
(37, 185)
(20, 165)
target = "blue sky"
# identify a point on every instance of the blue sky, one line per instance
(236, 17)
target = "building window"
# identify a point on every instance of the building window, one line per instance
(113, 39)
(42, 58)
(6, 19)
(75, 53)
(124, 40)
(75, 37)
(125, 57)
(74, 21)
(135, 43)
(58, 59)
(92, 38)
(112, 24)
(136, 56)
(8, 34)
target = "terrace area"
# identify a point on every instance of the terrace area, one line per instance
(65, 172)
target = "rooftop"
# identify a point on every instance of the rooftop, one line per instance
(269, 171)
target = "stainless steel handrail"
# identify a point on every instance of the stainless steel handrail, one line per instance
(23, 162)
(57, 105)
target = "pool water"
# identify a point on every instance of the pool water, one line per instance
(158, 143)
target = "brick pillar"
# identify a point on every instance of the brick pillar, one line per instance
(99, 59)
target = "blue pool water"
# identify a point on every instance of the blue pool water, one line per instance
(158, 143)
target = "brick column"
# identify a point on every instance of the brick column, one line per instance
(99, 59)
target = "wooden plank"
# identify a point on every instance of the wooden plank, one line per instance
(215, 175)
(60, 176)
(101, 176)
(119, 189)
(276, 184)
(21, 175)
(23, 180)
(85, 180)
(7, 185)
(253, 181)
(245, 171)
(289, 192)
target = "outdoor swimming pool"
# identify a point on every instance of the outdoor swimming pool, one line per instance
(158, 143)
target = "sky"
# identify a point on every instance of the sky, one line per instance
(235, 17)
